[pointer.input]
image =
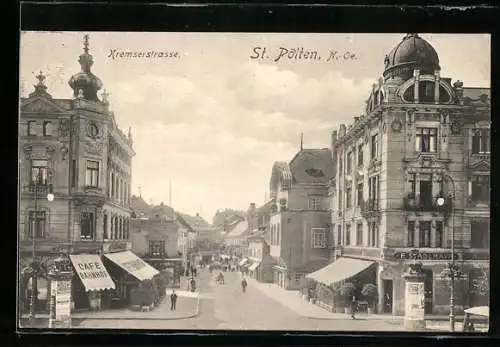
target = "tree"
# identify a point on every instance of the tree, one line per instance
(482, 284)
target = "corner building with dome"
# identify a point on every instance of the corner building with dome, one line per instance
(75, 147)
(410, 173)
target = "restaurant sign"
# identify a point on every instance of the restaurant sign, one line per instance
(424, 256)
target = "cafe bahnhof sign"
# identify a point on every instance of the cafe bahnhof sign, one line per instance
(425, 256)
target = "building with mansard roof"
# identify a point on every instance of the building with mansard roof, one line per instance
(75, 147)
(413, 173)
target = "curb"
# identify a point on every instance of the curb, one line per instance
(187, 316)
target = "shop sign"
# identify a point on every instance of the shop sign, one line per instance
(414, 300)
(424, 256)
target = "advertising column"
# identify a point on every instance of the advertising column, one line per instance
(414, 319)
(60, 302)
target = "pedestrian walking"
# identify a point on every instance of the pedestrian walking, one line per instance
(354, 306)
(173, 300)
(243, 284)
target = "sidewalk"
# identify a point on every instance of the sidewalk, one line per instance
(187, 307)
(292, 300)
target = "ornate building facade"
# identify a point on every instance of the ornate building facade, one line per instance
(422, 138)
(75, 147)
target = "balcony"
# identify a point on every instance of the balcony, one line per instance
(36, 188)
(359, 251)
(370, 208)
(478, 203)
(419, 204)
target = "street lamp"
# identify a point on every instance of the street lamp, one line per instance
(36, 188)
(452, 270)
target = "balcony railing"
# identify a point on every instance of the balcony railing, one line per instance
(420, 204)
(478, 203)
(361, 251)
(370, 208)
(36, 188)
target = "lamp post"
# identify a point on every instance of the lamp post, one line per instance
(452, 270)
(36, 188)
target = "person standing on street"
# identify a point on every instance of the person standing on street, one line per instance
(243, 284)
(354, 306)
(173, 300)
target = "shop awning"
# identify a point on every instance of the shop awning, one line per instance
(92, 272)
(242, 262)
(254, 266)
(134, 265)
(341, 269)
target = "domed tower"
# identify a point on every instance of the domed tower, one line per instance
(412, 53)
(84, 83)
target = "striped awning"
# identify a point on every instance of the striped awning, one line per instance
(339, 270)
(134, 265)
(254, 266)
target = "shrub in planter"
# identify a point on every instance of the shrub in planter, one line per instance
(369, 292)
(338, 300)
(347, 290)
(137, 295)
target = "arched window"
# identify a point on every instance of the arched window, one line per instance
(47, 128)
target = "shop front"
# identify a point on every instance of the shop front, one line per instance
(93, 285)
(128, 271)
(173, 266)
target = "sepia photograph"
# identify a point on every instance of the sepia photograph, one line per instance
(327, 182)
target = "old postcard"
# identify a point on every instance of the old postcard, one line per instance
(317, 182)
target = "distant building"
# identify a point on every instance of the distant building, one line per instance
(298, 235)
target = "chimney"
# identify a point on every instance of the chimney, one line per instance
(342, 130)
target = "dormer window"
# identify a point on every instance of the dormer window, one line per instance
(47, 128)
(31, 130)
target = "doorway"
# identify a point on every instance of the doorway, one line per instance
(428, 291)
(387, 296)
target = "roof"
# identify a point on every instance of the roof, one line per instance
(312, 165)
(139, 206)
(238, 229)
(413, 50)
(180, 220)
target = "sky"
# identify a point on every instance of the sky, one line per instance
(211, 120)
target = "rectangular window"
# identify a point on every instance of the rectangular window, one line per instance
(481, 141)
(347, 234)
(87, 226)
(315, 203)
(411, 234)
(74, 173)
(348, 163)
(480, 188)
(360, 194)
(374, 146)
(426, 199)
(412, 179)
(318, 238)
(425, 140)
(340, 166)
(348, 197)
(425, 234)
(376, 236)
(105, 226)
(36, 224)
(157, 248)
(339, 234)
(39, 172)
(359, 234)
(92, 178)
(278, 234)
(340, 207)
(480, 235)
(360, 155)
(439, 234)
(373, 192)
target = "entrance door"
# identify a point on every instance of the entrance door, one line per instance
(80, 296)
(387, 296)
(428, 291)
